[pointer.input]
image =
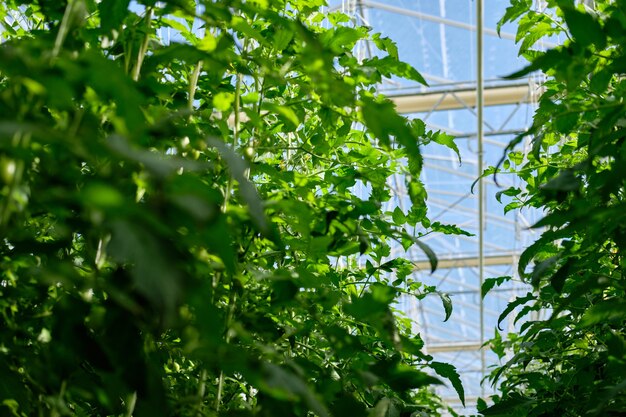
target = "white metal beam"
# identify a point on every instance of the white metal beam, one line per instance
(460, 99)
(471, 262)
(453, 347)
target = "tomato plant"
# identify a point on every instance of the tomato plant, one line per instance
(573, 362)
(191, 213)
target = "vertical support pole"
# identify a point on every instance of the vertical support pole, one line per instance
(481, 184)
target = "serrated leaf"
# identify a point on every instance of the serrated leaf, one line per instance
(389, 66)
(531, 251)
(449, 371)
(449, 229)
(513, 304)
(386, 44)
(446, 140)
(489, 283)
(515, 10)
(417, 191)
(398, 216)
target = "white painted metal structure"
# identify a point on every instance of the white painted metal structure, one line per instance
(455, 46)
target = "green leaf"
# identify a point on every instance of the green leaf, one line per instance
(447, 304)
(447, 141)
(102, 196)
(609, 311)
(489, 283)
(558, 279)
(402, 377)
(565, 181)
(112, 13)
(389, 66)
(515, 10)
(600, 81)
(432, 258)
(283, 384)
(449, 371)
(384, 408)
(285, 113)
(381, 118)
(543, 243)
(511, 192)
(238, 167)
(545, 62)
(223, 101)
(241, 25)
(208, 44)
(417, 191)
(585, 29)
(449, 229)
(282, 38)
(386, 44)
(153, 272)
(342, 37)
(506, 408)
(541, 269)
(398, 216)
(513, 304)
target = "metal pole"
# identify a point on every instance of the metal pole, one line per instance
(481, 185)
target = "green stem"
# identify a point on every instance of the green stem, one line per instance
(229, 318)
(201, 391)
(229, 186)
(5, 209)
(143, 49)
(193, 83)
(130, 408)
(220, 388)
(63, 28)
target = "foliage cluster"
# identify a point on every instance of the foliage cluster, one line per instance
(573, 362)
(181, 232)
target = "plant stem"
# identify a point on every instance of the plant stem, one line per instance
(229, 318)
(220, 388)
(19, 139)
(193, 83)
(143, 49)
(229, 186)
(130, 408)
(201, 391)
(63, 28)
